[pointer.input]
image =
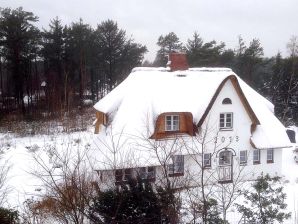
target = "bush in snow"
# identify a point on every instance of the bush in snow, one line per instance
(134, 202)
(265, 202)
(8, 216)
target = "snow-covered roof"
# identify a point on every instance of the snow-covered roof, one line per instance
(134, 105)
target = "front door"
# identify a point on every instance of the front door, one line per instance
(225, 164)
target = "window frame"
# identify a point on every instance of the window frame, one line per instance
(270, 160)
(127, 174)
(224, 157)
(258, 160)
(177, 167)
(223, 121)
(243, 162)
(145, 174)
(172, 127)
(207, 161)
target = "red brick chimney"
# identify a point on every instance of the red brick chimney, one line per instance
(178, 61)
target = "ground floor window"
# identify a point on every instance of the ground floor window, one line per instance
(207, 160)
(243, 157)
(123, 175)
(256, 156)
(147, 173)
(270, 156)
(225, 158)
(177, 168)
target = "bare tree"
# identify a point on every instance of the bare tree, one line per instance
(212, 182)
(69, 182)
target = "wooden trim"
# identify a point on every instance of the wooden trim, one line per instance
(244, 101)
(101, 118)
(241, 95)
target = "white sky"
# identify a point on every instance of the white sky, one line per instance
(271, 21)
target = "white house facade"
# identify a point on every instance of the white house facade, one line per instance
(161, 124)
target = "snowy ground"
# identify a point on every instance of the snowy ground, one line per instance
(17, 152)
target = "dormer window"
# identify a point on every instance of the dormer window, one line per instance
(172, 123)
(227, 101)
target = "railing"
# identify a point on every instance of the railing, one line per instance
(225, 173)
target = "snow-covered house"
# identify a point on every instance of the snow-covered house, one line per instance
(177, 121)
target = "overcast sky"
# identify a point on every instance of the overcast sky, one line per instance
(273, 22)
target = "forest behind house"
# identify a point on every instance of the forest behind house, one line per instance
(62, 70)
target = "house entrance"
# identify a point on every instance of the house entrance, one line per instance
(225, 166)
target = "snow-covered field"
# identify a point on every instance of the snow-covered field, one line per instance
(17, 153)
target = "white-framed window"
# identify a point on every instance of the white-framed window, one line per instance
(270, 155)
(243, 157)
(172, 123)
(226, 120)
(207, 159)
(178, 165)
(256, 156)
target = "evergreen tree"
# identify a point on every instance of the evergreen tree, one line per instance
(80, 47)
(227, 58)
(53, 51)
(264, 202)
(19, 43)
(203, 54)
(213, 215)
(8, 216)
(170, 204)
(168, 44)
(134, 202)
(117, 54)
(248, 60)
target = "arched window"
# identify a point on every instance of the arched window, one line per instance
(227, 101)
(225, 158)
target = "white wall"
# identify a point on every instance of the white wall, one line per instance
(239, 137)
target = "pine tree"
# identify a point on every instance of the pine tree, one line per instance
(134, 202)
(117, 54)
(203, 54)
(18, 43)
(80, 42)
(8, 216)
(53, 51)
(265, 202)
(248, 60)
(168, 44)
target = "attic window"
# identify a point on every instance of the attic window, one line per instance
(172, 123)
(227, 101)
(226, 121)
